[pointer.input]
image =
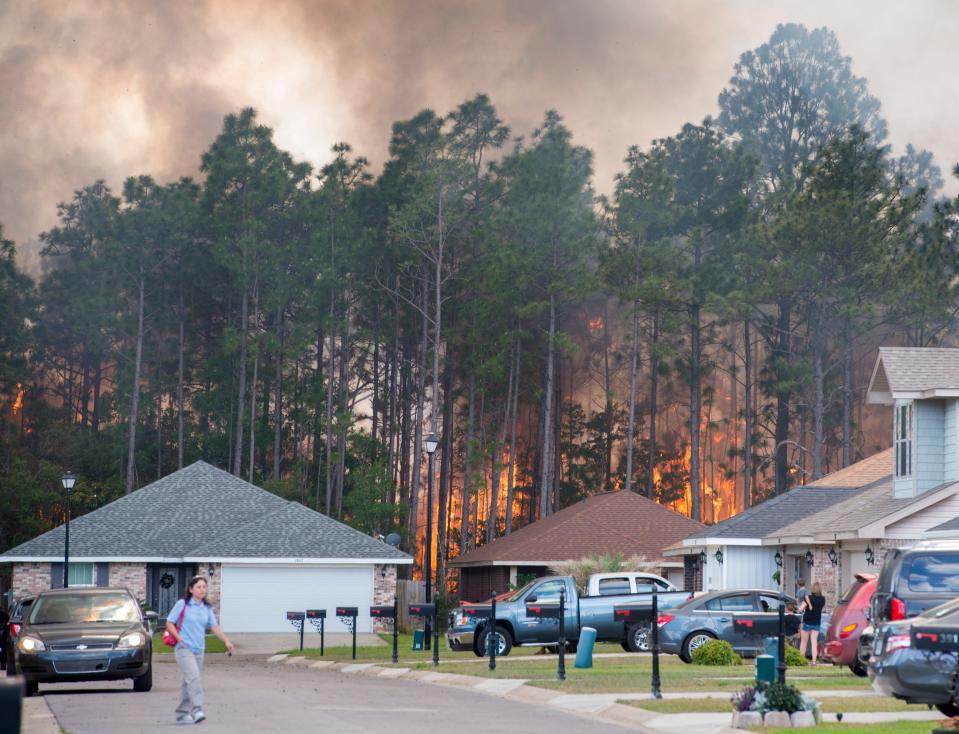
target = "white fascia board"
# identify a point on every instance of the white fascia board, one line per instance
(791, 540)
(832, 537)
(475, 564)
(232, 561)
(684, 551)
(940, 392)
(731, 541)
(879, 398)
(91, 559)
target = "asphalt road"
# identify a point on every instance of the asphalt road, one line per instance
(255, 696)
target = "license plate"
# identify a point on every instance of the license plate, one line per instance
(877, 646)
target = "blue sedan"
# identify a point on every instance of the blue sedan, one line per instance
(710, 617)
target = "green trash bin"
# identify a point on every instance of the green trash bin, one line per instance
(417, 639)
(765, 668)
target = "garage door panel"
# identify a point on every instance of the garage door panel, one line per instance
(257, 598)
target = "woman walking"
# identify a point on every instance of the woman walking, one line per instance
(811, 609)
(188, 622)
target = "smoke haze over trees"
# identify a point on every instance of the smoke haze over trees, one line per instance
(702, 334)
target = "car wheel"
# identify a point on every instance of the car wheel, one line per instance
(693, 643)
(859, 670)
(637, 638)
(145, 682)
(32, 687)
(948, 709)
(504, 646)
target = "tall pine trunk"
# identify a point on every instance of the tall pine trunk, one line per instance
(278, 397)
(847, 395)
(781, 353)
(653, 405)
(511, 476)
(467, 494)
(630, 425)
(748, 416)
(819, 400)
(241, 388)
(695, 410)
(135, 401)
(546, 475)
(180, 379)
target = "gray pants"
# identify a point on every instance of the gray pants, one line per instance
(191, 690)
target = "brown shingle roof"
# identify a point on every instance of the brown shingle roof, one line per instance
(859, 474)
(613, 522)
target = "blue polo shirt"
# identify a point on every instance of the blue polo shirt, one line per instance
(196, 621)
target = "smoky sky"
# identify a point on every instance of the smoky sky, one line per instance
(106, 90)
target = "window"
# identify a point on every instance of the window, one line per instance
(738, 603)
(902, 440)
(769, 603)
(549, 591)
(939, 573)
(81, 574)
(609, 587)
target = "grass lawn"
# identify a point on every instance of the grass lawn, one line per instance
(632, 673)
(213, 644)
(896, 727)
(382, 653)
(722, 705)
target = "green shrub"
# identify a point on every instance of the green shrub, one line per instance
(794, 658)
(782, 697)
(716, 652)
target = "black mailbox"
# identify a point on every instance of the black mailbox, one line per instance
(382, 611)
(633, 614)
(316, 614)
(295, 616)
(422, 610)
(936, 639)
(347, 611)
(542, 611)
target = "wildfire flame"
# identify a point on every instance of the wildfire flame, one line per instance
(18, 402)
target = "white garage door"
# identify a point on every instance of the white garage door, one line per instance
(257, 598)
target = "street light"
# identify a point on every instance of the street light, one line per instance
(68, 481)
(431, 443)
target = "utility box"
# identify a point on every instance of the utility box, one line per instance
(765, 668)
(417, 639)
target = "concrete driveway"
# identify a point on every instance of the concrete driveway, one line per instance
(246, 695)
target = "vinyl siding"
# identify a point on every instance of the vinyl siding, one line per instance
(949, 441)
(742, 567)
(915, 525)
(929, 442)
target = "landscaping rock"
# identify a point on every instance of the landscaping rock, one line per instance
(747, 719)
(777, 720)
(802, 719)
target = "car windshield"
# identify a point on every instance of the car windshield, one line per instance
(84, 609)
(514, 595)
(850, 591)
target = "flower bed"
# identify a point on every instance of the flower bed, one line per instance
(775, 704)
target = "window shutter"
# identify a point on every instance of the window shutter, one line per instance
(56, 575)
(103, 574)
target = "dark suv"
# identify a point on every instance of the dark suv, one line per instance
(11, 632)
(915, 579)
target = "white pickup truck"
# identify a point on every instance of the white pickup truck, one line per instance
(625, 582)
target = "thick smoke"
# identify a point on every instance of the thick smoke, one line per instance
(111, 89)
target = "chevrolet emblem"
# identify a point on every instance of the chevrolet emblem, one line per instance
(81, 647)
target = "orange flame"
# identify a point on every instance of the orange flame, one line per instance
(18, 403)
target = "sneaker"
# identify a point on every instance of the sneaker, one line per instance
(185, 719)
(198, 716)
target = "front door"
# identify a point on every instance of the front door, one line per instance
(168, 588)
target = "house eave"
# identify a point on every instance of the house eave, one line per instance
(293, 561)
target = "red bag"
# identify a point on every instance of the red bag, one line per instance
(168, 639)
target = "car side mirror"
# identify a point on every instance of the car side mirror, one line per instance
(531, 599)
(151, 618)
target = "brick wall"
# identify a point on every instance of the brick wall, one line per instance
(29, 579)
(692, 574)
(828, 575)
(131, 576)
(213, 585)
(384, 591)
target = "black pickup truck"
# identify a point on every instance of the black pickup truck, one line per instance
(469, 625)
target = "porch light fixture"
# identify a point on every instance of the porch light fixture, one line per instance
(809, 558)
(719, 556)
(211, 570)
(779, 559)
(702, 559)
(870, 556)
(833, 556)
(431, 442)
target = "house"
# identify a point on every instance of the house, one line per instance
(892, 499)
(624, 523)
(263, 554)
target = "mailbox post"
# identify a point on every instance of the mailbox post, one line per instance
(493, 641)
(631, 615)
(781, 647)
(350, 613)
(765, 625)
(429, 612)
(387, 611)
(296, 619)
(317, 618)
(654, 686)
(551, 611)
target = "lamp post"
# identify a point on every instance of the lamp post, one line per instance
(431, 443)
(68, 481)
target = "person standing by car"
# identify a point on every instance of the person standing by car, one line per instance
(188, 622)
(811, 608)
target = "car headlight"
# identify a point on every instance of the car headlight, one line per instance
(31, 644)
(132, 639)
(459, 619)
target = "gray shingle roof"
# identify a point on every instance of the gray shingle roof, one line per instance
(778, 512)
(871, 505)
(202, 507)
(952, 524)
(917, 370)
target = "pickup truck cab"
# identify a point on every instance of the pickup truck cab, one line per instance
(626, 582)
(468, 624)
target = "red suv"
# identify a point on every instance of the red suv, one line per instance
(847, 623)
